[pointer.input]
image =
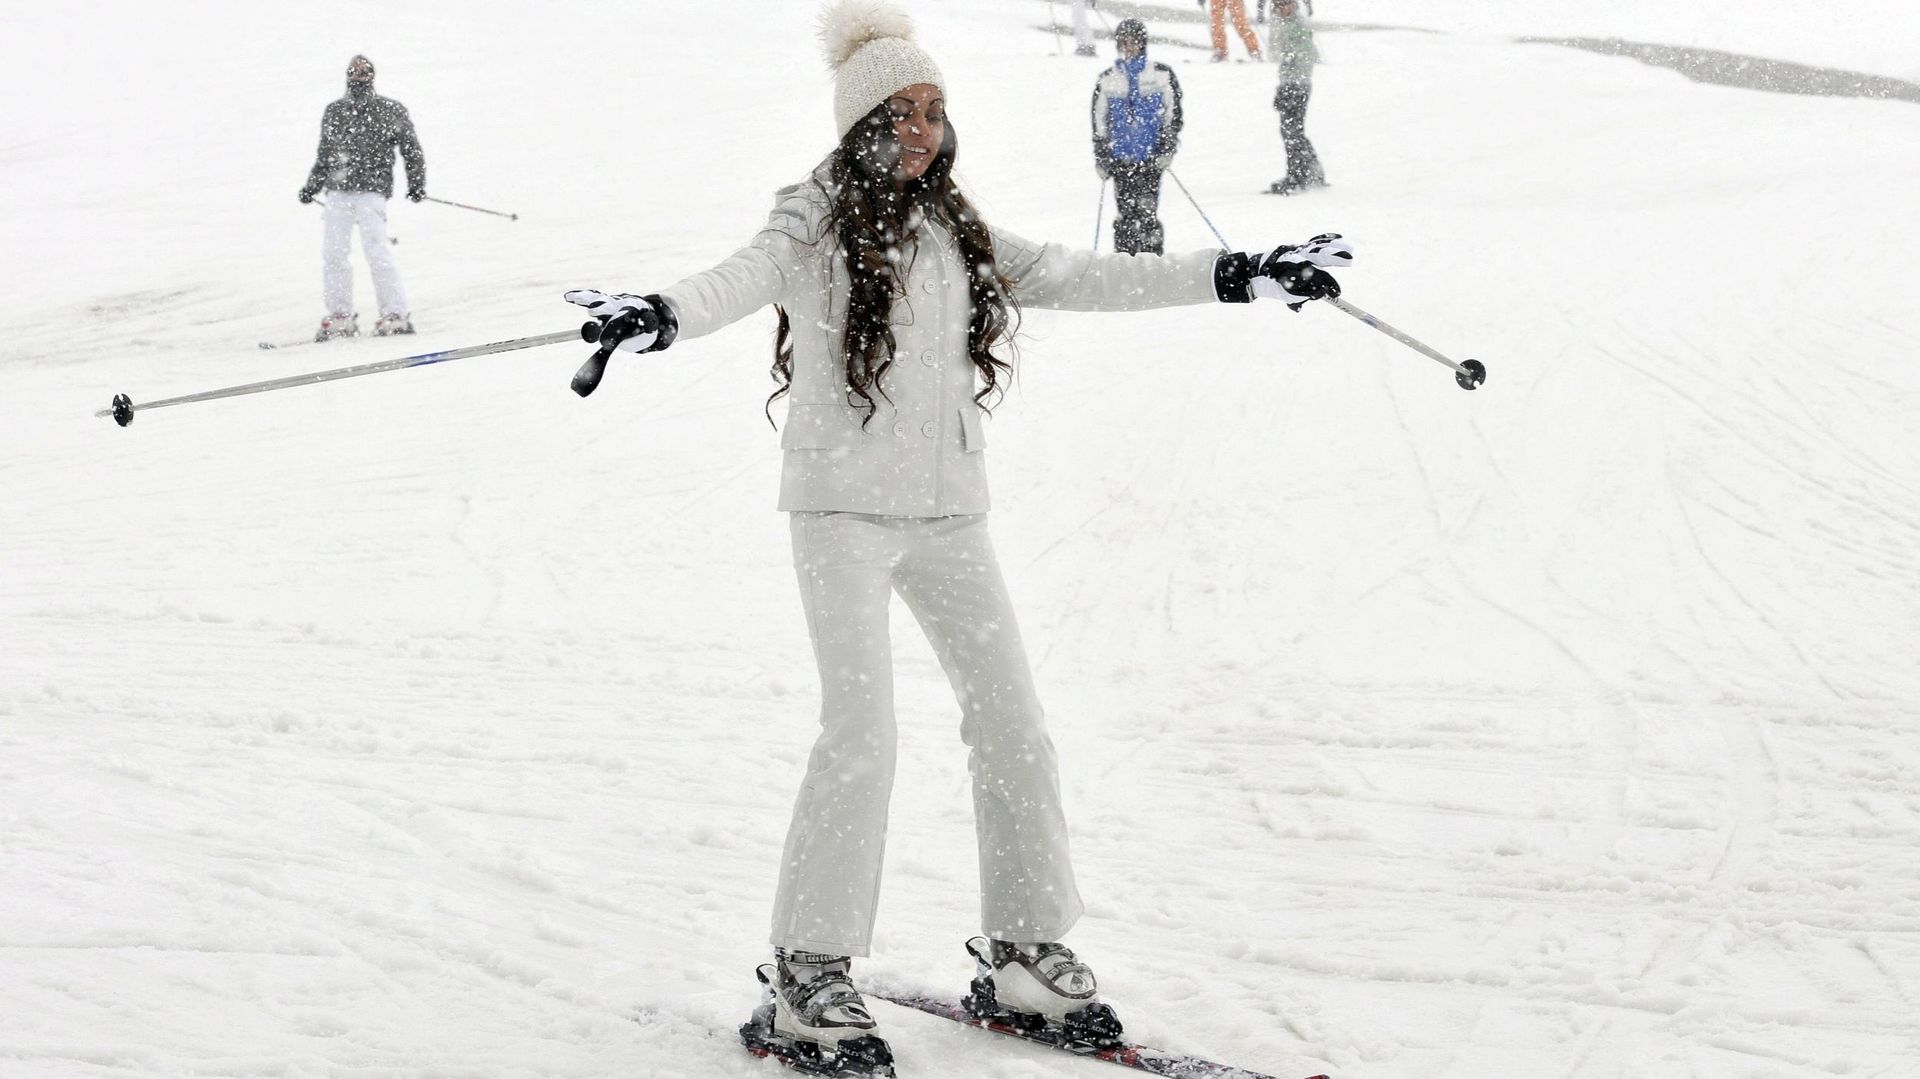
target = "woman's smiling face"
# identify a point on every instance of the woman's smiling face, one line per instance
(920, 123)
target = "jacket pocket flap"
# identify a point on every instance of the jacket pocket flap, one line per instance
(973, 433)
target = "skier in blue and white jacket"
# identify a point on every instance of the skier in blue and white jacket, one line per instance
(1136, 129)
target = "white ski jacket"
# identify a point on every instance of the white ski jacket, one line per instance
(921, 454)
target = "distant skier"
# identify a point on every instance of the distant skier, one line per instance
(358, 137)
(1136, 130)
(1290, 38)
(1218, 12)
(1082, 32)
(897, 305)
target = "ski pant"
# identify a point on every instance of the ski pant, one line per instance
(1136, 206)
(1303, 165)
(849, 565)
(1082, 33)
(367, 209)
(1217, 12)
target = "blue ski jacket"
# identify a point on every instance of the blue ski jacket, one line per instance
(1136, 114)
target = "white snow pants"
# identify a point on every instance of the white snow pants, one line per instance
(849, 565)
(1082, 33)
(368, 209)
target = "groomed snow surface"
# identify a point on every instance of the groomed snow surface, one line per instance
(441, 723)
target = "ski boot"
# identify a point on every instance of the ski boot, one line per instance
(338, 324)
(1292, 185)
(1041, 990)
(388, 325)
(813, 1020)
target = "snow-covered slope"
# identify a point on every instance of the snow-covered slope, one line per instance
(442, 723)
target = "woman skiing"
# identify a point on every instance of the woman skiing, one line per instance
(897, 305)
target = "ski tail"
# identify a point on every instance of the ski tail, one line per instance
(1126, 1054)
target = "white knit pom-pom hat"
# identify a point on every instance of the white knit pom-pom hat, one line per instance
(869, 45)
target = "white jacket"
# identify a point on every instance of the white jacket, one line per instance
(920, 455)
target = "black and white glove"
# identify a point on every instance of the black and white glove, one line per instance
(1294, 273)
(629, 323)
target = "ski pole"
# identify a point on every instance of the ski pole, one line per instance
(1099, 213)
(124, 408)
(1469, 374)
(1053, 17)
(464, 206)
(1202, 213)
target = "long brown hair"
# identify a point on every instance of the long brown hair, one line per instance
(868, 216)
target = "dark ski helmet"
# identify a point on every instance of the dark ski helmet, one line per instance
(1130, 30)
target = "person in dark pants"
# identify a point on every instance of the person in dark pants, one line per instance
(1136, 129)
(1290, 40)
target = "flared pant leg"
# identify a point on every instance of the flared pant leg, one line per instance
(836, 845)
(945, 569)
(951, 581)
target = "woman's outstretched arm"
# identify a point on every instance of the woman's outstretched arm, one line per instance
(763, 272)
(1055, 276)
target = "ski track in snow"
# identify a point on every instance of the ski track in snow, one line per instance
(442, 724)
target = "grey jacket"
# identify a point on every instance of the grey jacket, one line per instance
(921, 454)
(358, 137)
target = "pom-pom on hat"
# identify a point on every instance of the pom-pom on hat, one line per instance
(869, 45)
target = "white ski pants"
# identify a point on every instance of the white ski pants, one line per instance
(367, 209)
(1082, 33)
(849, 566)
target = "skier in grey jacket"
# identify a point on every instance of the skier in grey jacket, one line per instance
(359, 135)
(896, 304)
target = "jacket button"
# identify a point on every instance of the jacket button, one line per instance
(930, 287)
(929, 428)
(900, 428)
(929, 357)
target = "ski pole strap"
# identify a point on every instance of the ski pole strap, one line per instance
(124, 408)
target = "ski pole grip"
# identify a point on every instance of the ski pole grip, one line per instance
(588, 377)
(628, 323)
